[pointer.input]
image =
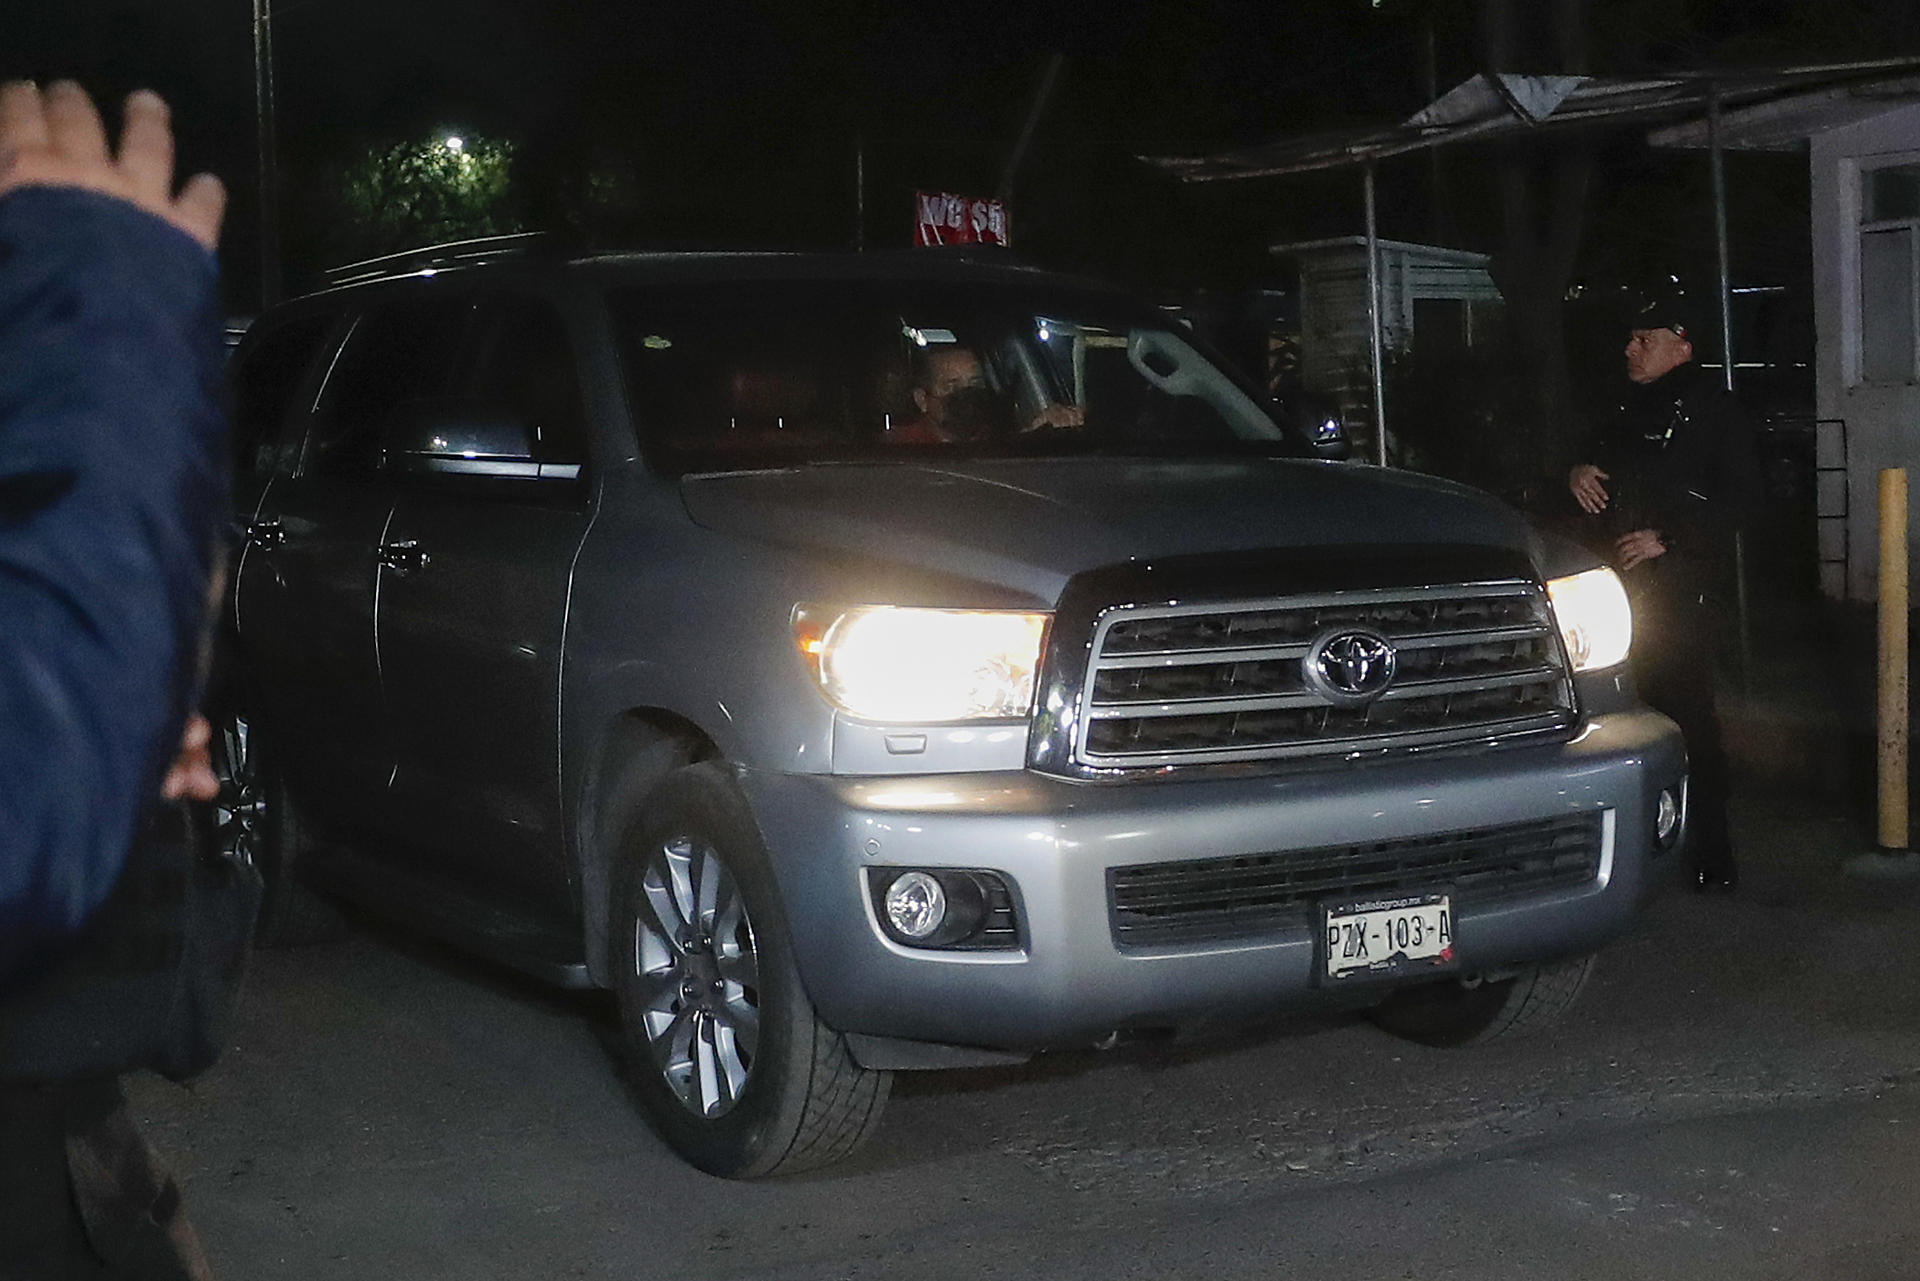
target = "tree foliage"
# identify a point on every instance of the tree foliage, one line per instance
(401, 194)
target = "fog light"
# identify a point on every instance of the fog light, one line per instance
(916, 906)
(1666, 819)
(943, 907)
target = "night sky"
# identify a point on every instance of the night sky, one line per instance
(739, 123)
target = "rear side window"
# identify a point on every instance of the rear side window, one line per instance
(519, 360)
(266, 377)
(398, 351)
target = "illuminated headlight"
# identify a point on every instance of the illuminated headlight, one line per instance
(916, 666)
(1595, 621)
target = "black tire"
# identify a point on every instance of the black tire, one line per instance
(731, 1064)
(1457, 1012)
(256, 820)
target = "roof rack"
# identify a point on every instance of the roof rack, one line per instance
(456, 253)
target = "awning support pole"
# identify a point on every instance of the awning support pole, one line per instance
(1374, 323)
(1716, 158)
(269, 175)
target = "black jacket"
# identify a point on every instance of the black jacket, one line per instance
(1679, 456)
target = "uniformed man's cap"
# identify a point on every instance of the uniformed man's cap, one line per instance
(1670, 308)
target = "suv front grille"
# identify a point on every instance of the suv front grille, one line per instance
(1209, 900)
(1205, 684)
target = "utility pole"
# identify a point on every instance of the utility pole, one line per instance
(860, 194)
(269, 193)
(1019, 153)
(1430, 82)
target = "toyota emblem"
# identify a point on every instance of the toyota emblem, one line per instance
(1349, 666)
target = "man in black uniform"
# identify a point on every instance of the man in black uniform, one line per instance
(1672, 476)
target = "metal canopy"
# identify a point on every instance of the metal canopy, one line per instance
(1500, 107)
(1785, 124)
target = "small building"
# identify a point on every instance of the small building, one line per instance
(1863, 147)
(1429, 296)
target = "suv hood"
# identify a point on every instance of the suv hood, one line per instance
(1029, 525)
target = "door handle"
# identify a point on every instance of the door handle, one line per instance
(403, 556)
(266, 533)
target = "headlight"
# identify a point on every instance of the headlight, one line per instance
(1595, 620)
(914, 666)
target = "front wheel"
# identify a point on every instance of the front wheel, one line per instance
(1470, 1012)
(732, 1065)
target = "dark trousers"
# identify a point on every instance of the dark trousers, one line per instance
(81, 1193)
(1673, 659)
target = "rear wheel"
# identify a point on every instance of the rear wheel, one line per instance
(256, 822)
(732, 1065)
(1469, 1012)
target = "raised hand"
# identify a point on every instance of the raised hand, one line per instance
(54, 138)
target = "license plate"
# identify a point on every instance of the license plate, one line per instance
(1388, 937)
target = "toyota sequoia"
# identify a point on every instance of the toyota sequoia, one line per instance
(872, 663)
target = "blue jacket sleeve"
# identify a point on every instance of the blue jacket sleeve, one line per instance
(112, 479)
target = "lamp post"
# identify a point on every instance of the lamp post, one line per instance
(269, 194)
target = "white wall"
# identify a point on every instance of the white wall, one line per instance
(1883, 421)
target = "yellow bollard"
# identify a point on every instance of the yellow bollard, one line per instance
(1893, 659)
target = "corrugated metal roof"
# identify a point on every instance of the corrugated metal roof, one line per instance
(1496, 107)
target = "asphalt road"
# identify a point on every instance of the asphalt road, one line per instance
(1737, 1096)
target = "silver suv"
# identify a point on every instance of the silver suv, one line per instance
(876, 663)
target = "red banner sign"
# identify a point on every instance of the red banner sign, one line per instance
(947, 219)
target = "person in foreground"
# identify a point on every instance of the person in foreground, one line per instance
(112, 474)
(112, 479)
(1672, 476)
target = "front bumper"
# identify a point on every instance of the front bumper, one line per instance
(1053, 841)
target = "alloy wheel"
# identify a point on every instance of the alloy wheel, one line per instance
(240, 811)
(697, 975)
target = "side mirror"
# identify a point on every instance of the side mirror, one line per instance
(455, 437)
(1316, 418)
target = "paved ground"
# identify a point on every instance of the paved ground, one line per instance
(1739, 1096)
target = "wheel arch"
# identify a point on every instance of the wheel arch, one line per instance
(635, 750)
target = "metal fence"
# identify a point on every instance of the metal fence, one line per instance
(1799, 540)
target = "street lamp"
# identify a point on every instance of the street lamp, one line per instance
(455, 143)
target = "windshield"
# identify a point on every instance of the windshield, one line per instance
(729, 377)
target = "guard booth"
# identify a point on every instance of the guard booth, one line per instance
(1862, 143)
(1441, 301)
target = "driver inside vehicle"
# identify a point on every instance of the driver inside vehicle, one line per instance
(957, 404)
